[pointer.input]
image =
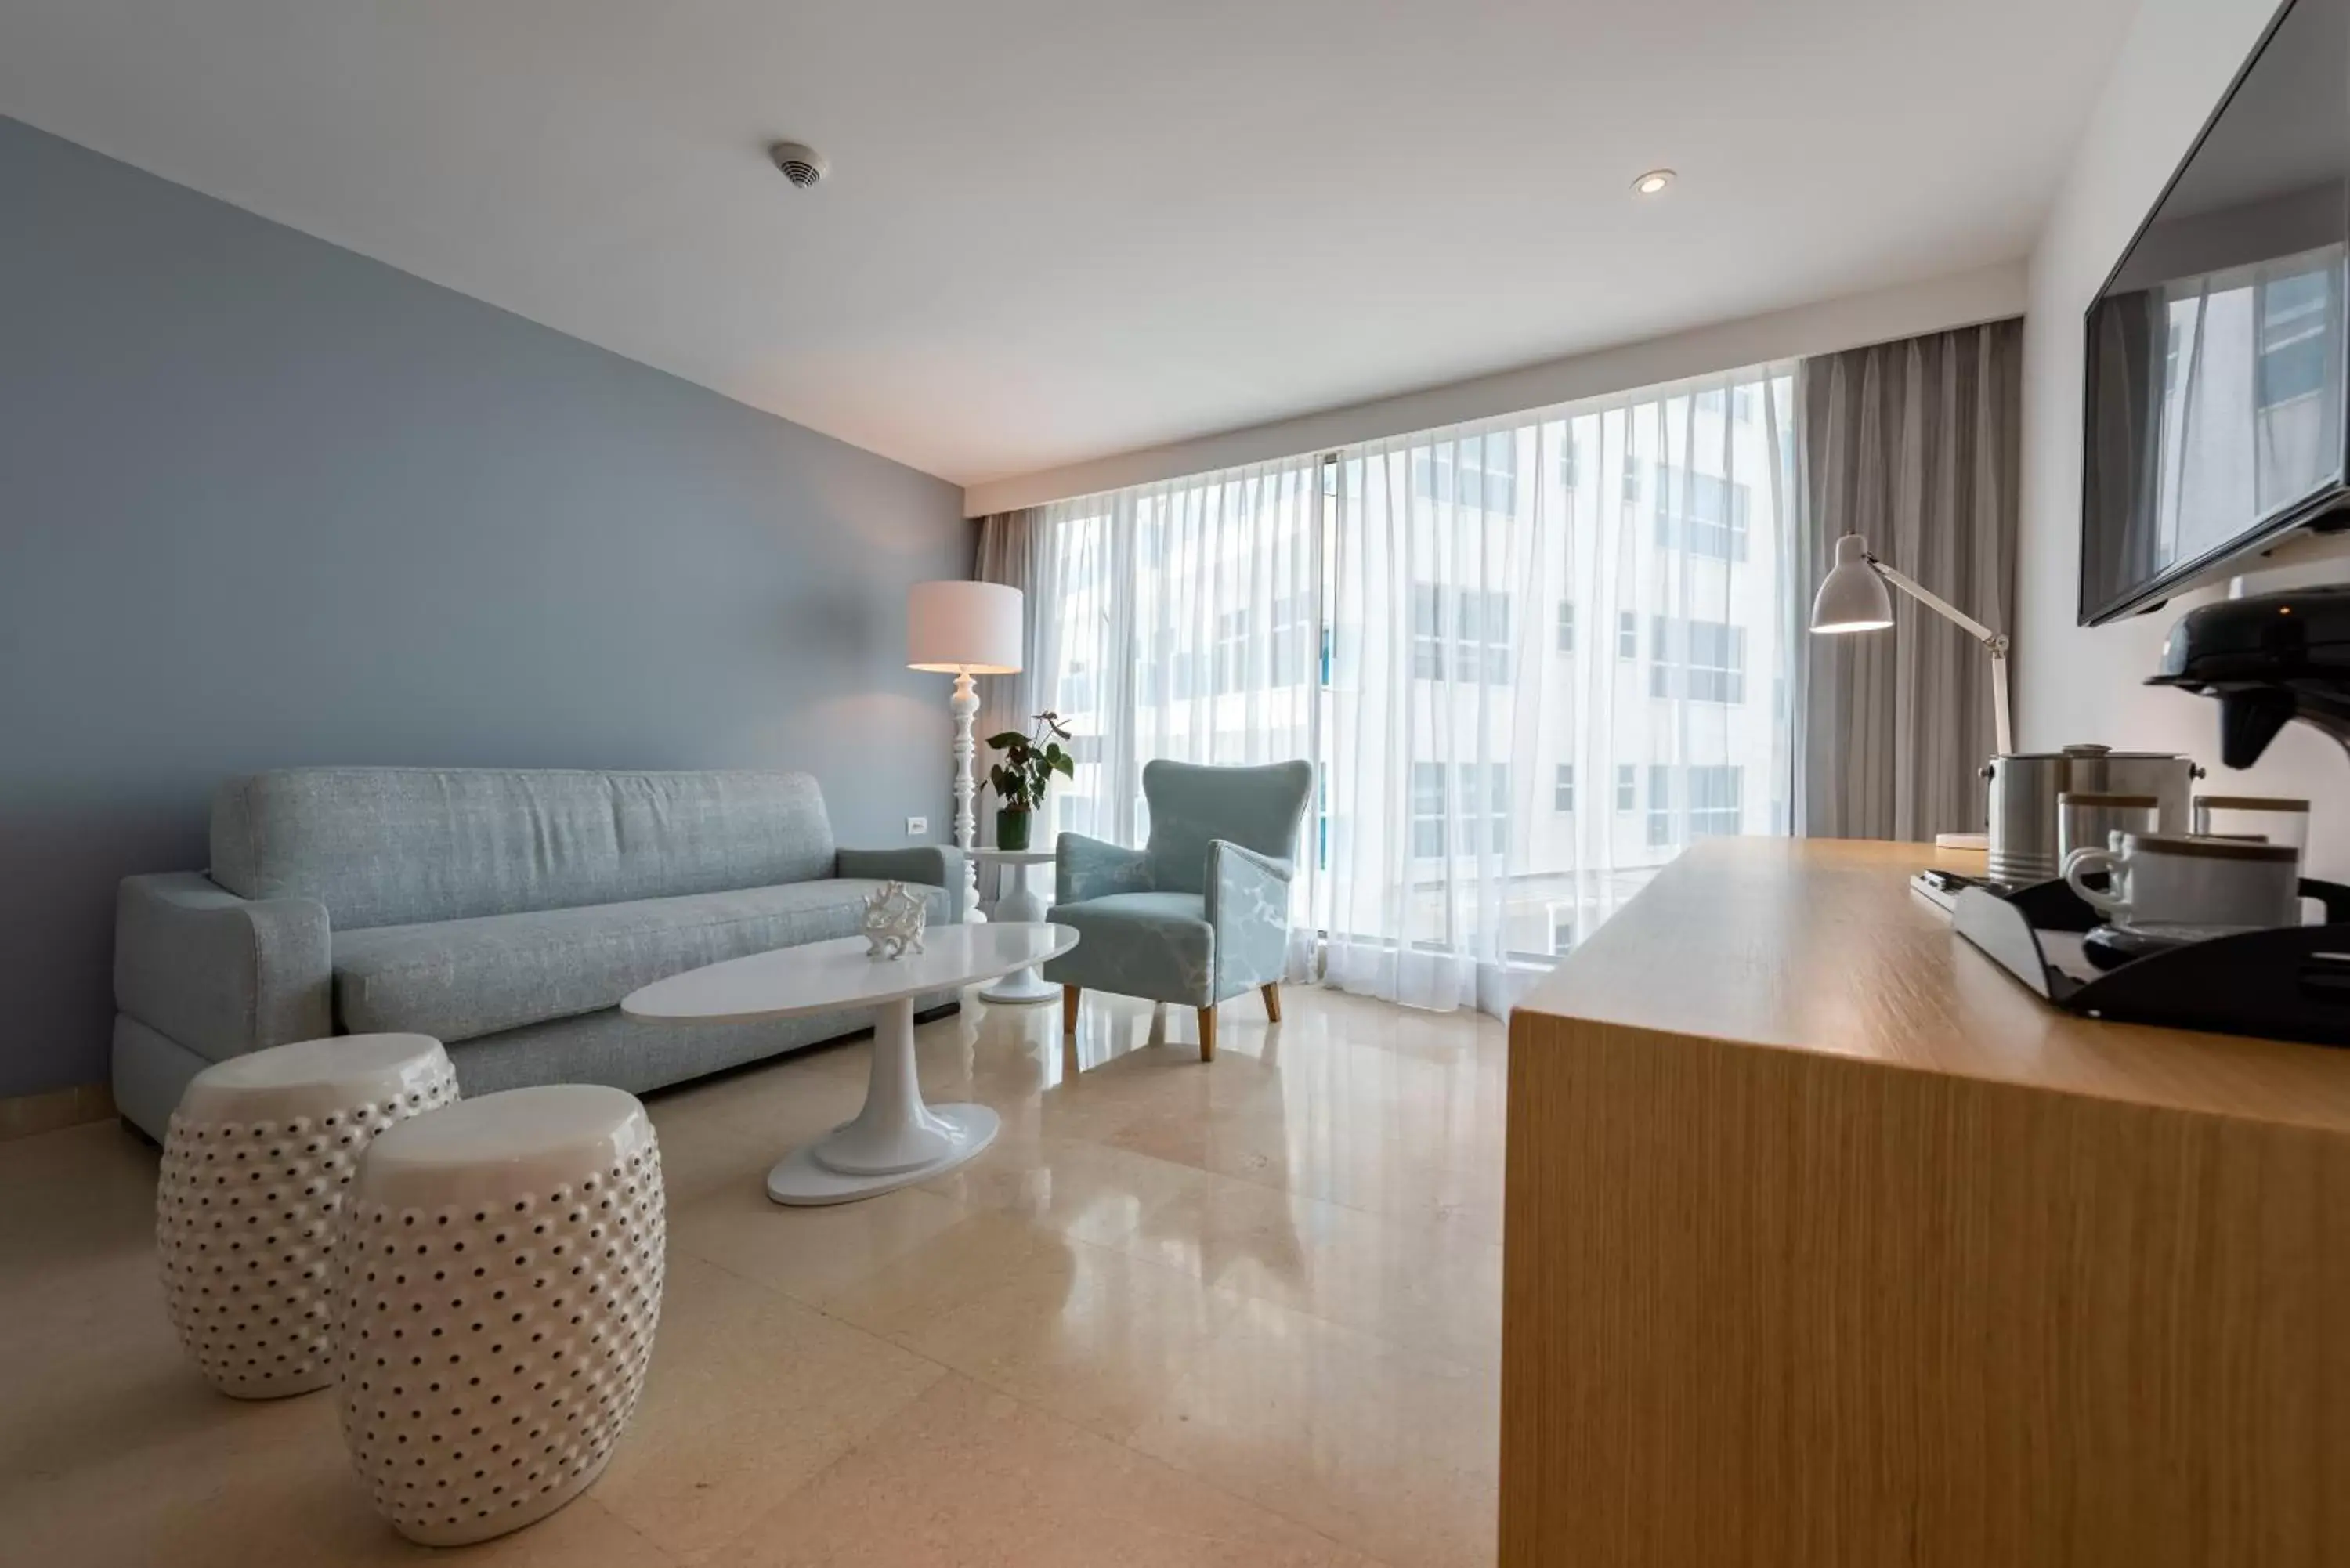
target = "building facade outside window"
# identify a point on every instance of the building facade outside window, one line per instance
(1702, 661)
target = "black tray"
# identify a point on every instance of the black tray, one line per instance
(2290, 984)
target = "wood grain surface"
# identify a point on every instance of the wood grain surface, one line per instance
(1827, 1243)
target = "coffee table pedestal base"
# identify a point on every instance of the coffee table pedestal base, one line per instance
(896, 1140)
(800, 1177)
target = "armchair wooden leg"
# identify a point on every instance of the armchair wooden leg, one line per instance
(1272, 1000)
(1070, 995)
(1208, 1033)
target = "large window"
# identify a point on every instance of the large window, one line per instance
(1429, 620)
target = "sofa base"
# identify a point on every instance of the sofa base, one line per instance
(151, 1069)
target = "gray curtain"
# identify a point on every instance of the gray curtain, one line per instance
(1013, 550)
(1917, 445)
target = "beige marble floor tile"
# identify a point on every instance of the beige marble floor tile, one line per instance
(1364, 1164)
(809, 1253)
(1085, 1191)
(967, 1476)
(983, 1251)
(1095, 1336)
(1269, 1270)
(1416, 1282)
(749, 1394)
(198, 1481)
(1392, 1452)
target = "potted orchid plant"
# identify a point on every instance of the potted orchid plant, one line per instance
(1022, 776)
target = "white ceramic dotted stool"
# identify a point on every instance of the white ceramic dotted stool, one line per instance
(255, 1167)
(501, 1282)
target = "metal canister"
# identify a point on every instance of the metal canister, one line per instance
(2024, 787)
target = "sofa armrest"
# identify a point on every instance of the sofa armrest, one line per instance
(1248, 907)
(932, 865)
(1088, 868)
(220, 974)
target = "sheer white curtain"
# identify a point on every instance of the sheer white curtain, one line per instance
(1181, 619)
(1531, 659)
(1560, 643)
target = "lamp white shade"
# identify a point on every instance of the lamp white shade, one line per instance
(1852, 596)
(958, 628)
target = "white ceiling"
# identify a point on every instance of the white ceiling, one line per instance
(1061, 228)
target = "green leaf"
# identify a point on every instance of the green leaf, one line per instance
(1066, 767)
(1007, 740)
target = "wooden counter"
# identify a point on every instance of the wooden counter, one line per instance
(1828, 1244)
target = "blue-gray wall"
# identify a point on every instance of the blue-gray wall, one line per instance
(265, 501)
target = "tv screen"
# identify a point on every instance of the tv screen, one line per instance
(2215, 395)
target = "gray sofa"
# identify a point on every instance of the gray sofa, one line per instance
(505, 913)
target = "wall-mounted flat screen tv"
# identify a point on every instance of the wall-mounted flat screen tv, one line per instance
(2215, 399)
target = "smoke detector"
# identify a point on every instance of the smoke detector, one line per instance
(802, 165)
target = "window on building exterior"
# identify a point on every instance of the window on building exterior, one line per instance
(1479, 472)
(1482, 636)
(1427, 810)
(1232, 650)
(1497, 798)
(1701, 514)
(1464, 634)
(1570, 466)
(1566, 626)
(1296, 640)
(1562, 792)
(1632, 483)
(1660, 805)
(1628, 787)
(1562, 932)
(1627, 635)
(1715, 802)
(1703, 660)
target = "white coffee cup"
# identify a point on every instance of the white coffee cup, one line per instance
(2175, 879)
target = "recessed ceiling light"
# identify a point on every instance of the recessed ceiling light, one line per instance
(1654, 181)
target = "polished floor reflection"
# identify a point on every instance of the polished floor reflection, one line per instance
(1245, 1312)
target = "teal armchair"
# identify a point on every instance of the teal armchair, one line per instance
(1200, 914)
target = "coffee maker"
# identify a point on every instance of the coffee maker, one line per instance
(2269, 659)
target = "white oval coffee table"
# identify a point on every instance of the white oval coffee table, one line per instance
(896, 1140)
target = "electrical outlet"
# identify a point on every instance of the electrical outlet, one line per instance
(917, 825)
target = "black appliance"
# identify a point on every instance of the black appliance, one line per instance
(2216, 416)
(2268, 659)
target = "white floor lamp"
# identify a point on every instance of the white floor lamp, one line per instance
(964, 629)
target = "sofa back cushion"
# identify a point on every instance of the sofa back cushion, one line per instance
(389, 846)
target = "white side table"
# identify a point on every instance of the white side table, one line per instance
(250, 1201)
(897, 1140)
(1021, 902)
(502, 1282)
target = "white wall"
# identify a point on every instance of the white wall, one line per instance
(2078, 684)
(1936, 305)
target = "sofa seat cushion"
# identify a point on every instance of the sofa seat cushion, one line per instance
(1158, 945)
(459, 980)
